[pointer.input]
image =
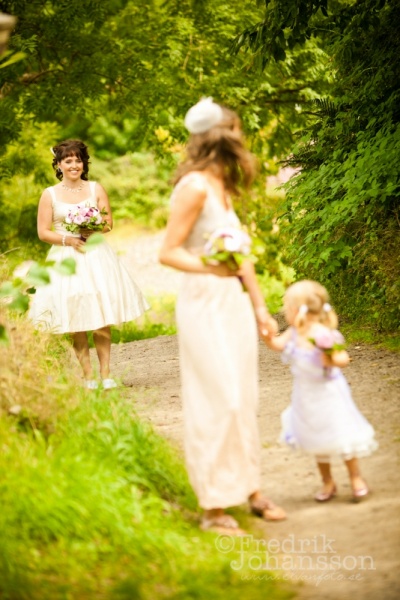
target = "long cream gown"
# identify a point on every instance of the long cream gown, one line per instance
(218, 346)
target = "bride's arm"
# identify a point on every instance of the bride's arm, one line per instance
(264, 319)
(186, 208)
(45, 223)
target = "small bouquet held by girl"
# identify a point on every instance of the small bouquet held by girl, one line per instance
(229, 245)
(85, 220)
(328, 341)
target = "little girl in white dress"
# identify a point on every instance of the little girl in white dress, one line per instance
(322, 419)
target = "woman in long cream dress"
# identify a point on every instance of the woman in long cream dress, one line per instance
(101, 292)
(217, 324)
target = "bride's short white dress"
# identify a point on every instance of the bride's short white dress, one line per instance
(101, 293)
(218, 344)
(322, 419)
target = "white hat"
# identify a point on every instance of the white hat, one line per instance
(203, 116)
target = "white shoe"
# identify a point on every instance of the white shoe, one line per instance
(108, 384)
(91, 384)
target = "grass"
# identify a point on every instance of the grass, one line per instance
(96, 505)
(367, 335)
(159, 320)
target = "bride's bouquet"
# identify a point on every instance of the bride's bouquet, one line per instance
(85, 218)
(229, 245)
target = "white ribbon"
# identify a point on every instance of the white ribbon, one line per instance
(327, 307)
(303, 310)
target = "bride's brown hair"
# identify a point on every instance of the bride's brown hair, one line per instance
(71, 148)
(222, 145)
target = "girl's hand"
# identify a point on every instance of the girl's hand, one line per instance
(338, 358)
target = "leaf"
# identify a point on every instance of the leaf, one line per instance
(93, 241)
(38, 275)
(66, 267)
(20, 303)
(7, 289)
(4, 339)
(13, 59)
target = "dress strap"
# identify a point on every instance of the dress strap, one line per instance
(192, 177)
(92, 187)
(52, 194)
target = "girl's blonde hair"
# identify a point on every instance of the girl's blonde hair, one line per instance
(222, 144)
(310, 297)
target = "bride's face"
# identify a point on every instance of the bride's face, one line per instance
(72, 167)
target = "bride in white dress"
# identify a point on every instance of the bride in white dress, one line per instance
(101, 293)
(217, 329)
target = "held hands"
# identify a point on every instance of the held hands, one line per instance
(267, 325)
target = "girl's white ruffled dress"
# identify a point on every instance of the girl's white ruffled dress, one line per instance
(101, 292)
(218, 346)
(322, 419)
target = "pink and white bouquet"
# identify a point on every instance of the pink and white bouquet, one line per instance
(88, 218)
(328, 340)
(228, 245)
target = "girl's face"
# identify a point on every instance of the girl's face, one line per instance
(72, 167)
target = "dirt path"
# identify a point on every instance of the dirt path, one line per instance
(359, 542)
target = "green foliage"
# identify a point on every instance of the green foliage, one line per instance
(284, 24)
(94, 503)
(115, 73)
(342, 210)
(158, 320)
(138, 187)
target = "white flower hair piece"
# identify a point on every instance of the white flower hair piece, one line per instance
(203, 116)
(52, 151)
(327, 307)
(303, 310)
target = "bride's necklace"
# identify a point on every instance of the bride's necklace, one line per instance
(73, 190)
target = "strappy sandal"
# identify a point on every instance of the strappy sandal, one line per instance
(224, 524)
(323, 496)
(266, 509)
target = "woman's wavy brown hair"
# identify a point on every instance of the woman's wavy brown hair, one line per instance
(222, 144)
(71, 148)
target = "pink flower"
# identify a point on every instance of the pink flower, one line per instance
(324, 340)
(328, 340)
(228, 239)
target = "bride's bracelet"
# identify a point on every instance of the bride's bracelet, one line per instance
(63, 239)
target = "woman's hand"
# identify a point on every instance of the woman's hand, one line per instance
(76, 243)
(267, 325)
(222, 270)
(86, 233)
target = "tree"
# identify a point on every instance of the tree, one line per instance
(342, 210)
(148, 61)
